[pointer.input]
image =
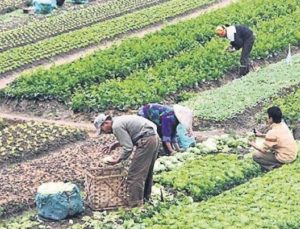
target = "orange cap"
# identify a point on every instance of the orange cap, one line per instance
(221, 31)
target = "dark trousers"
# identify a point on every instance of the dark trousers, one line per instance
(246, 50)
(140, 174)
(267, 161)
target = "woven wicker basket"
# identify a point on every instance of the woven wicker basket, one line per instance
(106, 188)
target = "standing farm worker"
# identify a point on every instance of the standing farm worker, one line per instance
(279, 146)
(166, 119)
(242, 37)
(130, 131)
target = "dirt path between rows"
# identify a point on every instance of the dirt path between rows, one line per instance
(23, 117)
(64, 59)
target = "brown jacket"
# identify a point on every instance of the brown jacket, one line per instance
(281, 140)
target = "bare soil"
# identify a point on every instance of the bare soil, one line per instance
(19, 182)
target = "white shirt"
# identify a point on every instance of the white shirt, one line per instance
(230, 31)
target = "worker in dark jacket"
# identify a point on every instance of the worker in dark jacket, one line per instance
(242, 37)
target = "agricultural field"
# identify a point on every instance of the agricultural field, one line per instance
(86, 36)
(10, 5)
(20, 141)
(175, 58)
(248, 91)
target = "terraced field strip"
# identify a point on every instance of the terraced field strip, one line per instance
(26, 140)
(210, 175)
(7, 5)
(68, 21)
(21, 56)
(203, 63)
(260, 203)
(88, 127)
(181, 40)
(256, 87)
(290, 106)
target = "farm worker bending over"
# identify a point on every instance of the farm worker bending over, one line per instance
(279, 146)
(132, 130)
(166, 119)
(240, 37)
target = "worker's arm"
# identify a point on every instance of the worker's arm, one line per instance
(125, 141)
(169, 147)
(237, 42)
(256, 147)
(177, 147)
(111, 147)
(168, 126)
(269, 143)
(259, 134)
(230, 49)
(175, 144)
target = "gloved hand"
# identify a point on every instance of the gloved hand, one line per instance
(230, 49)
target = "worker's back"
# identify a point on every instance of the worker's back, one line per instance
(244, 32)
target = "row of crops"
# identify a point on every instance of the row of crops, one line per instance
(6, 5)
(206, 62)
(248, 91)
(148, 69)
(61, 23)
(20, 56)
(227, 172)
(290, 106)
(27, 140)
(260, 203)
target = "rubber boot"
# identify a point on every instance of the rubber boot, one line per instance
(244, 70)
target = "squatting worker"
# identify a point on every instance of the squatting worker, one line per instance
(240, 36)
(166, 119)
(279, 146)
(130, 131)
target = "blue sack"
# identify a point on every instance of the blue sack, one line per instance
(56, 201)
(184, 140)
(80, 1)
(44, 6)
